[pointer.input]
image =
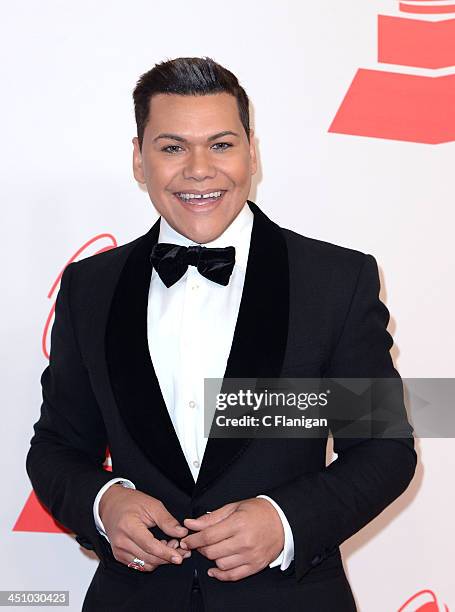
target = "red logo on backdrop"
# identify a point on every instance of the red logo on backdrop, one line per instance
(409, 107)
(34, 516)
(423, 601)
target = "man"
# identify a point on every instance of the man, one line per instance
(219, 524)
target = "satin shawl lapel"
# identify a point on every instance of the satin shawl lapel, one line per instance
(261, 331)
(257, 350)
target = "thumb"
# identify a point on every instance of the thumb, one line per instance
(169, 524)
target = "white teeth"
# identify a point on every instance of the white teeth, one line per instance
(215, 194)
(195, 196)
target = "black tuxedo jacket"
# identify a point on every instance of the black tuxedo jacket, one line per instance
(309, 308)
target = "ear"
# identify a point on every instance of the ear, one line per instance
(253, 158)
(138, 169)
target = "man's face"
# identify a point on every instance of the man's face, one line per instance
(196, 145)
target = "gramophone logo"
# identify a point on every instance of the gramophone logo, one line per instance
(412, 96)
(34, 516)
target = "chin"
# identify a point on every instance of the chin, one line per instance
(207, 234)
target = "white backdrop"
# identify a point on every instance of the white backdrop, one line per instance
(67, 74)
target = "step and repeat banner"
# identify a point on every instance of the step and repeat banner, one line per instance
(353, 106)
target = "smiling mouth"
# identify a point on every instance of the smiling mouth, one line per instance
(200, 200)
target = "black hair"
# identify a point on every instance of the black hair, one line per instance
(186, 76)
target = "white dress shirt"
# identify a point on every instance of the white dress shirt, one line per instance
(190, 328)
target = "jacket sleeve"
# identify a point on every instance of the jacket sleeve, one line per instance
(67, 450)
(325, 508)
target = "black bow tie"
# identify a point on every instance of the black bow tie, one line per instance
(171, 261)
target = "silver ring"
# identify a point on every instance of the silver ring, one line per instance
(137, 564)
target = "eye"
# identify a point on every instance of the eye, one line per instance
(227, 146)
(169, 147)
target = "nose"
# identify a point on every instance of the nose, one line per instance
(199, 166)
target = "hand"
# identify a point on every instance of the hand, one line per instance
(126, 514)
(242, 537)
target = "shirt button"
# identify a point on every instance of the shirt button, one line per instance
(191, 404)
(195, 287)
(196, 463)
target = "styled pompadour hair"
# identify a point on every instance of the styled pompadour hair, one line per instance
(187, 76)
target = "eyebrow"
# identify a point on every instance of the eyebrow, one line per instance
(181, 139)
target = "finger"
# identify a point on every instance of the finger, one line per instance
(166, 522)
(146, 542)
(208, 519)
(133, 552)
(229, 546)
(211, 535)
(230, 562)
(237, 573)
(211, 518)
(175, 544)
